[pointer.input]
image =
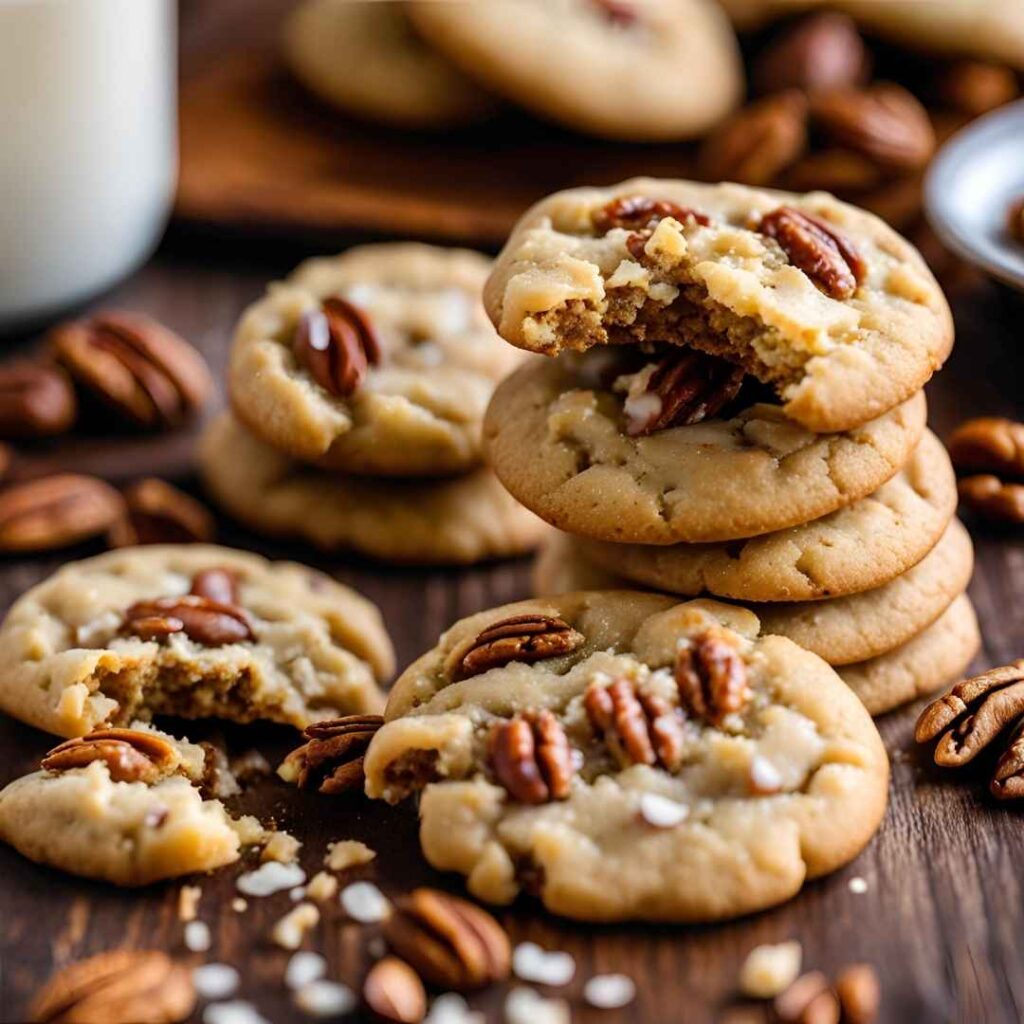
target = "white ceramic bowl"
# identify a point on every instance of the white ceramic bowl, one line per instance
(970, 186)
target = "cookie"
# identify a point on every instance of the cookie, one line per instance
(821, 300)
(630, 758)
(928, 662)
(456, 521)
(122, 806)
(365, 59)
(558, 439)
(413, 405)
(860, 547)
(842, 630)
(191, 630)
(640, 69)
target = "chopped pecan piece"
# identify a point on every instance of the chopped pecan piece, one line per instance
(145, 987)
(219, 584)
(685, 387)
(337, 345)
(157, 513)
(207, 622)
(992, 498)
(712, 678)
(451, 942)
(130, 755)
(331, 759)
(988, 444)
(642, 213)
(639, 728)
(528, 638)
(531, 757)
(831, 261)
(393, 992)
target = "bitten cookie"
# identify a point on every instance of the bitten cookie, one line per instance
(639, 69)
(630, 758)
(364, 58)
(860, 547)
(189, 630)
(122, 805)
(380, 361)
(455, 521)
(558, 436)
(818, 298)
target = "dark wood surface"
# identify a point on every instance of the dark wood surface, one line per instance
(941, 917)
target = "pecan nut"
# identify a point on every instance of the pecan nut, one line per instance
(531, 757)
(988, 444)
(56, 511)
(146, 987)
(450, 942)
(992, 498)
(808, 1000)
(157, 513)
(859, 993)
(884, 122)
(134, 366)
(712, 678)
(973, 87)
(207, 622)
(642, 213)
(36, 400)
(639, 728)
(130, 755)
(393, 992)
(527, 638)
(337, 345)
(759, 143)
(217, 584)
(829, 259)
(331, 759)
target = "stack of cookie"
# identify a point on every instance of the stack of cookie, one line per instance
(733, 407)
(358, 387)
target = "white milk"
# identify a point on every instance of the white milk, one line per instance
(88, 146)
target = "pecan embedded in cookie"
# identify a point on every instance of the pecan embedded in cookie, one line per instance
(337, 344)
(129, 754)
(712, 678)
(525, 638)
(531, 758)
(640, 728)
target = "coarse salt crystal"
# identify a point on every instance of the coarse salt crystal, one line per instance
(769, 970)
(764, 778)
(197, 936)
(609, 991)
(215, 981)
(364, 902)
(325, 999)
(532, 963)
(269, 878)
(451, 1008)
(238, 905)
(661, 812)
(297, 893)
(524, 1006)
(289, 932)
(303, 968)
(237, 1011)
(858, 885)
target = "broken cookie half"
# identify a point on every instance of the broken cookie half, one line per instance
(815, 297)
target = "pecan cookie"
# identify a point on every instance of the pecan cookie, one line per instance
(190, 630)
(378, 361)
(859, 547)
(454, 521)
(627, 757)
(123, 805)
(624, 69)
(819, 299)
(560, 435)
(365, 59)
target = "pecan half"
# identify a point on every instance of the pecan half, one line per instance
(337, 345)
(992, 498)
(134, 366)
(988, 444)
(973, 87)
(685, 387)
(712, 678)
(859, 993)
(393, 992)
(451, 942)
(808, 1000)
(331, 759)
(639, 213)
(531, 757)
(130, 755)
(55, 511)
(830, 260)
(217, 584)
(1008, 778)
(528, 638)
(639, 728)
(157, 513)
(210, 623)
(145, 987)
(884, 122)
(36, 400)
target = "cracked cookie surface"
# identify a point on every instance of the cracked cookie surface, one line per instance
(417, 407)
(659, 761)
(455, 521)
(128, 635)
(818, 298)
(557, 438)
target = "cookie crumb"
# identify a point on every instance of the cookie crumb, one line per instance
(348, 853)
(364, 902)
(304, 967)
(270, 878)
(282, 847)
(451, 1008)
(188, 902)
(322, 886)
(769, 970)
(325, 999)
(532, 963)
(659, 811)
(215, 981)
(524, 1006)
(289, 932)
(609, 991)
(239, 906)
(858, 885)
(237, 1011)
(197, 936)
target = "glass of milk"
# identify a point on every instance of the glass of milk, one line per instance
(88, 147)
